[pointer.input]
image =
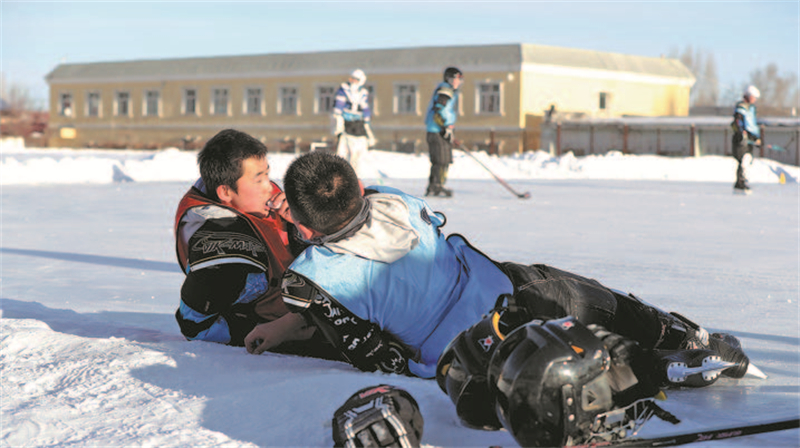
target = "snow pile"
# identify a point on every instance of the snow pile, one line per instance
(37, 166)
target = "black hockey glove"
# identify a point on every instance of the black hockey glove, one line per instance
(632, 372)
(378, 416)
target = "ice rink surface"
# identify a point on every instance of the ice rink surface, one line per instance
(91, 354)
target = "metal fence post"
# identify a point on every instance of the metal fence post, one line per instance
(558, 140)
(625, 139)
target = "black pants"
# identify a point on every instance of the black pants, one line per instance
(740, 148)
(550, 293)
(441, 155)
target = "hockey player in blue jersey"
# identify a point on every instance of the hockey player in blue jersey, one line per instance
(746, 135)
(390, 290)
(440, 121)
(352, 116)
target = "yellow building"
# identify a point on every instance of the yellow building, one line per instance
(286, 99)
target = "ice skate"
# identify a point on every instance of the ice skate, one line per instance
(690, 368)
(730, 349)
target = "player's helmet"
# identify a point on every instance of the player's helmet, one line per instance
(752, 91)
(461, 370)
(359, 76)
(461, 373)
(550, 382)
(451, 72)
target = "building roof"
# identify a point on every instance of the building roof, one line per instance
(599, 60)
(509, 57)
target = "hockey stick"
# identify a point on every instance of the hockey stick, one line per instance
(525, 195)
(772, 147)
(699, 436)
(777, 148)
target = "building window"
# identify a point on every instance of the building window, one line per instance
(122, 104)
(189, 102)
(325, 99)
(219, 101)
(93, 104)
(254, 100)
(603, 100)
(489, 98)
(65, 105)
(152, 103)
(287, 101)
(372, 101)
(405, 99)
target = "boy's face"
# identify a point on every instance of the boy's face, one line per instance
(254, 188)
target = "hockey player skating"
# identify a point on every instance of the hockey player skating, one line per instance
(234, 244)
(440, 121)
(352, 116)
(746, 135)
(390, 291)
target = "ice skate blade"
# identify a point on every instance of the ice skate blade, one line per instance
(742, 192)
(711, 368)
(755, 371)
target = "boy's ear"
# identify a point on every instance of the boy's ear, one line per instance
(307, 233)
(225, 194)
(361, 187)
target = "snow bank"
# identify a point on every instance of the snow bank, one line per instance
(39, 166)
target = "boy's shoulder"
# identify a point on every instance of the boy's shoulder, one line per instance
(383, 189)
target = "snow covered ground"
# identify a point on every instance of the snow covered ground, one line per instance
(91, 354)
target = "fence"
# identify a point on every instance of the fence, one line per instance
(668, 136)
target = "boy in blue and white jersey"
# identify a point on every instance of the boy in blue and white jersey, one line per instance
(440, 121)
(746, 135)
(352, 115)
(384, 284)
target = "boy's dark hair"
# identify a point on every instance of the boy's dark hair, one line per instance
(221, 158)
(323, 191)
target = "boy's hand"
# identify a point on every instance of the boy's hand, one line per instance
(269, 335)
(280, 206)
(260, 339)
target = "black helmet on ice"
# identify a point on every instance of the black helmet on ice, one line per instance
(551, 387)
(451, 72)
(461, 370)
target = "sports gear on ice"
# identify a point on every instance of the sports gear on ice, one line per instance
(703, 435)
(378, 416)
(725, 345)
(461, 370)
(554, 384)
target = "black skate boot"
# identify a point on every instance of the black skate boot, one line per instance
(726, 345)
(689, 368)
(730, 349)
